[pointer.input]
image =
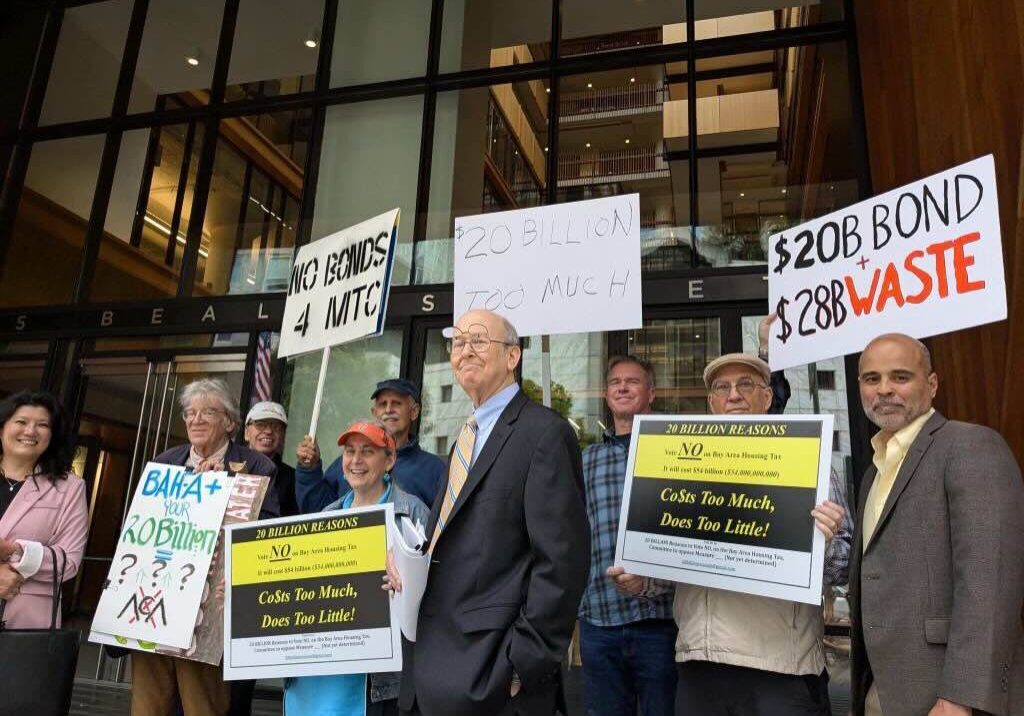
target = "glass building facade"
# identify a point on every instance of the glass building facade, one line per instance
(163, 159)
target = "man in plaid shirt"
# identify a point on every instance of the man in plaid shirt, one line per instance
(626, 642)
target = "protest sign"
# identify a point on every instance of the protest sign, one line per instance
(158, 573)
(339, 287)
(923, 259)
(207, 646)
(304, 596)
(725, 502)
(564, 268)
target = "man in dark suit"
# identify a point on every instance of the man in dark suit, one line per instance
(937, 570)
(509, 542)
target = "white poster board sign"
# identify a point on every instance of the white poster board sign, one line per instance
(163, 554)
(725, 501)
(339, 287)
(565, 268)
(923, 259)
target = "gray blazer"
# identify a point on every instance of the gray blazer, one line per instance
(936, 598)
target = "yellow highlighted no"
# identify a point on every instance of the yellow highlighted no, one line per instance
(324, 554)
(782, 461)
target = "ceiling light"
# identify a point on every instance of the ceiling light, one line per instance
(627, 141)
(311, 43)
(783, 191)
(548, 90)
(545, 149)
(632, 79)
(193, 61)
(590, 85)
(742, 194)
(588, 145)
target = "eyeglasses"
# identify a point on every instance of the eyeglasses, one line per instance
(479, 342)
(267, 426)
(744, 387)
(207, 414)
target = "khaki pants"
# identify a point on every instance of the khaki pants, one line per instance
(159, 681)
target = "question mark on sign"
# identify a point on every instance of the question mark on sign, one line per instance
(191, 570)
(134, 559)
(158, 570)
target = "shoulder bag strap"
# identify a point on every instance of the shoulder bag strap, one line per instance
(58, 580)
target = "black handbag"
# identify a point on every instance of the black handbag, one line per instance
(39, 664)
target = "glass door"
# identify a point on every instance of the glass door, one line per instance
(129, 414)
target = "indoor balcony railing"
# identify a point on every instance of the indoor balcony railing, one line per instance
(573, 105)
(598, 167)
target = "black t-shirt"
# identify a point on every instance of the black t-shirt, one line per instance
(8, 491)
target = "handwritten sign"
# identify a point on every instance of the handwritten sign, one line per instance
(566, 268)
(339, 287)
(304, 596)
(725, 502)
(923, 259)
(158, 573)
(207, 644)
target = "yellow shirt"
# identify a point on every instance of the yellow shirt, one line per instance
(888, 458)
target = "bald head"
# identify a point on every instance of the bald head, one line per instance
(485, 353)
(897, 384)
(909, 342)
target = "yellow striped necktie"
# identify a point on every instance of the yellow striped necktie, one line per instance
(458, 471)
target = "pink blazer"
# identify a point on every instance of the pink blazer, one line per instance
(54, 514)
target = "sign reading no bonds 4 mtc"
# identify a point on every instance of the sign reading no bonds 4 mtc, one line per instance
(338, 291)
(725, 502)
(564, 268)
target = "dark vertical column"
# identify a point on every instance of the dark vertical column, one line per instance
(11, 194)
(322, 83)
(551, 169)
(691, 124)
(111, 148)
(204, 171)
(427, 133)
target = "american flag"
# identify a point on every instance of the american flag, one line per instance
(261, 382)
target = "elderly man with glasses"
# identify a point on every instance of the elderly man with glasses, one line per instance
(508, 545)
(741, 653)
(162, 684)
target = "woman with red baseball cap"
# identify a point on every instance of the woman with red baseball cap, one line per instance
(368, 454)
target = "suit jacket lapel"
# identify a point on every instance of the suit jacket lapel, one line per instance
(918, 448)
(27, 496)
(495, 441)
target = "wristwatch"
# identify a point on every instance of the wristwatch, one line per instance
(762, 354)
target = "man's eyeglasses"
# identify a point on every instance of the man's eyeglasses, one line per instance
(267, 426)
(479, 342)
(744, 387)
(207, 414)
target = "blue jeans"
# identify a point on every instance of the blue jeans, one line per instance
(630, 669)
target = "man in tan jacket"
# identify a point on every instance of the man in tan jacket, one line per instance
(740, 653)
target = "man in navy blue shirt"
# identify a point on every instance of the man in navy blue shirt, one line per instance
(396, 403)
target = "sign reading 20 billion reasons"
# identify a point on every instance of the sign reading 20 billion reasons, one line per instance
(725, 502)
(304, 598)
